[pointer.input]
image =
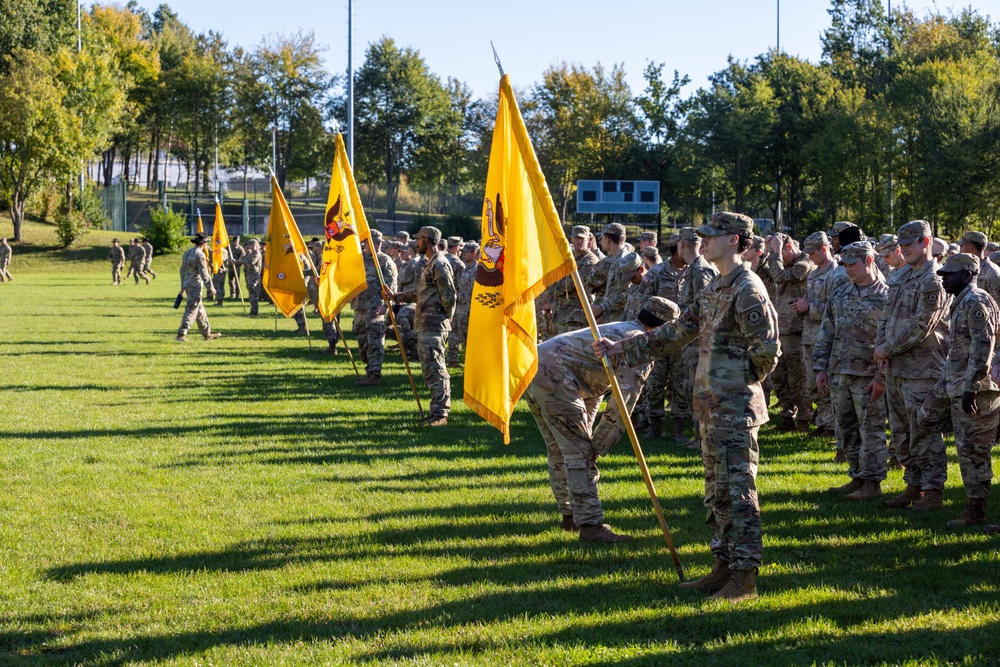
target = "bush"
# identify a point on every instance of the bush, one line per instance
(165, 230)
(90, 205)
(70, 226)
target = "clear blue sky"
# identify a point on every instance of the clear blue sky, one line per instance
(454, 36)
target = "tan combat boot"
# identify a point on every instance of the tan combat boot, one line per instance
(440, 420)
(372, 379)
(973, 515)
(742, 585)
(601, 532)
(713, 581)
(569, 525)
(910, 495)
(869, 489)
(181, 338)
(332, 349)
(655, 428)
(678, 434)
(930, 500)
(212, 336)
(850, 487)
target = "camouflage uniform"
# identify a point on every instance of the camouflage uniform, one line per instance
(612, 297)
(914, 330)
(695, 277)
(237, 251)
(219, 277)
(137, 257)
(406, 320)
(194, 277)
(252, 263)
(369, 325)
(844, 350)
(791, 286)
(411, 274)
(147, 265)
(117, 258)
(737, 332)
(460, 323)
(5, 255)
(663, 283)
(567, 311)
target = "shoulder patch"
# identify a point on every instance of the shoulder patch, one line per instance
(748, 301)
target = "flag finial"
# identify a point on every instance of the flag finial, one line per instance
(496, 58)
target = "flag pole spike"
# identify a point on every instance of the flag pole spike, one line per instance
(496, 58)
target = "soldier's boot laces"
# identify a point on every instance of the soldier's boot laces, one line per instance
(370, 380)
(655, 428)
(601, 532)
(930, 500)
(211, 335)
(869, 490)
(742, 585)
(973, 515)
(850, 487)
(568, 524)
(910, 495)
(713, 581)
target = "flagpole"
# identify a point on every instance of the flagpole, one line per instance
(340, 335)
(305, 323)
(629, 427)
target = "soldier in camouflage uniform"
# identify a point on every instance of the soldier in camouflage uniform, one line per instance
(237, 251)
(663, 280)
(219, 277)
(369, 311)
(632, 269)
(789, 269)
(435, 298)
(194, 278)
(736, 329)
(973, 396)
(988, 279)
(117, 258)
(411, 271)
(887, 249)
(5, 255)
(754, 256)
(564, 398)
(845, 368)
(650, 257)
(137, 257)
(147, 264)
(567, 311)
(610, 301)
(253, 264)
(460, 325)
(911, 347)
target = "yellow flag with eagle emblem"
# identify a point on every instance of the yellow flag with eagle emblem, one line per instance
(524, 250)
(342, 275)
(282, 277)
(220, 239)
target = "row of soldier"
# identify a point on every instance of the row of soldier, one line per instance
(139, 257)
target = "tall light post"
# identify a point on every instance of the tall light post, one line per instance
(350, 84)
(79, 49)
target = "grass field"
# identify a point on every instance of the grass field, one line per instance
(242, 503)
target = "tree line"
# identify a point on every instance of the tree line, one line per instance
(898, 120)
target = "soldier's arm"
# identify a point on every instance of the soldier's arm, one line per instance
(780, 274)
(759, 324)
(928, 314)
(203, 269)
(982, 331)
(445, 282)
(390, 275)
(664, 339)
(823, 346)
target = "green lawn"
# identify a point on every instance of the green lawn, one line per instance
(241, 502)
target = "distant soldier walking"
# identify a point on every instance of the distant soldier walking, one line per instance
(137, 258)
(194, 277)
(5, 254)
(147, 264)
(236, 251)
(117, 258)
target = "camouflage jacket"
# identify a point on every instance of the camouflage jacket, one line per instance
(435, 295)
(224, 264)
(237, 251)
(695, 277)
(371, 298)
(252, 262)
(914, 325)
(136, 254)
(597, 281)
(566, 307)
(737, 331)
(791, 285)
(147, 251)
(5, 253)
(116, 255)
(820, 285)
(988, 279)
(637, 297)
(974, 321)
(194, 271)
(457, 266)
(464, 287)
(765, 277)
(410, 274)
(845, 343)
(663, 281)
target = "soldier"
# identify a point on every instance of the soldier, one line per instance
(650, 257)
(411, 270)
(887, 249)
(938, 249)
(754, 256)
(5, 255)
(822, 282)
(609, 292)
(147, 265)
(219, 277)
(403, 237)
(460, 325)
(647, 240)
(567, 310)
(194, 278)
(789, 269)
(845, 369)
(137, 257)
(988, 280)
(910, 348)
(435, 299)
(632, 269)
(252, 263)
(663, 283)
(236, 251)
(369, 311)
(117, 258)
(737, 332)
(564, 398)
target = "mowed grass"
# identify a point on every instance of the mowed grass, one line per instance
(240, 502)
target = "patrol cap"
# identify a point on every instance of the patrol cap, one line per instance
(815, 241)
(687, 234)
(630, 263)
(914, 231)
(615, 228)
(855, 252)
(938, 246)
(723, 223)
(432, 234)
(650, 252)
(470, 246)
(953, 249)
(841, 226)
(403, 236)
(580, 231)
(886, 244)
(454, 241)
(960, 262)
(758, 243)
(662, 309)
(199, 239)
(376, 235)
(648, 236)
(675, 239)
(993, 246)
(976, 237)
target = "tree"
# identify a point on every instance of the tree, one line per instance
(35, 25)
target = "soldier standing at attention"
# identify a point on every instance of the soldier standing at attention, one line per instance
(846, 370)
(252, 263)
(236, 251)
(564, 398)
(147, 265)
(892, 260)
(663, 283)
(369, 311)
(117, 258)
(911, 348)
(988, 279)
(613, 244)
(219, 278)
(435, 298)
(137, 256)
(609, 306)
(567, 311)
(736, 329)
(194, 278)
(5, 254)
(464, 287)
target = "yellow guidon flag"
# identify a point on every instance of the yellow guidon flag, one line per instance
(201, 230)
(282, 277)
(342, 275)
(220, 238)
(524, 251)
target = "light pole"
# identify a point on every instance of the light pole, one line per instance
(79, 49)
(350, 85)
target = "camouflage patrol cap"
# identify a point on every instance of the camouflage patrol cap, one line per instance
(993, 246)
(470, 246)
(630, 263)
(855, 252)
(840, 226)
(648, 236)
(938, 246)
(914, 231)
(687, 234)
(954, 249)
(815, 241)
(615, 228)
(580, 232)
(403, 236)
(976, 237)
(650, 252)
(758, 243)
(886, 244)
(454, 241)
(723, 223)
(674, 239)
(376, 235)
(662, 309)
(960, 262)
(432, 234)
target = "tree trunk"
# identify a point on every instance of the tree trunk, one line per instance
(17, 213)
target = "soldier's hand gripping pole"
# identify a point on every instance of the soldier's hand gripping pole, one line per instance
(395, 327)
(629, 427)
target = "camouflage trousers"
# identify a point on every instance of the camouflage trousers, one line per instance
(138, 273)
(824, 403)
(921, 451)
(456, 339)
(657, 387)
(404, 320)
(430, 348)
(730, 456)
(4, 273)
(683, 364)
(369, 330)
(792, 394)
(861, 424)
(194, 311)
(565, 424)
(233, 278)
(147, 267)
(330, 331)
(253, 291)
(975, 436)
(219, 283)
(116, 273)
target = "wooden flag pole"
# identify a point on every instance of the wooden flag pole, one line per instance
(629, 427)
(340, 335)
(305, 323)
